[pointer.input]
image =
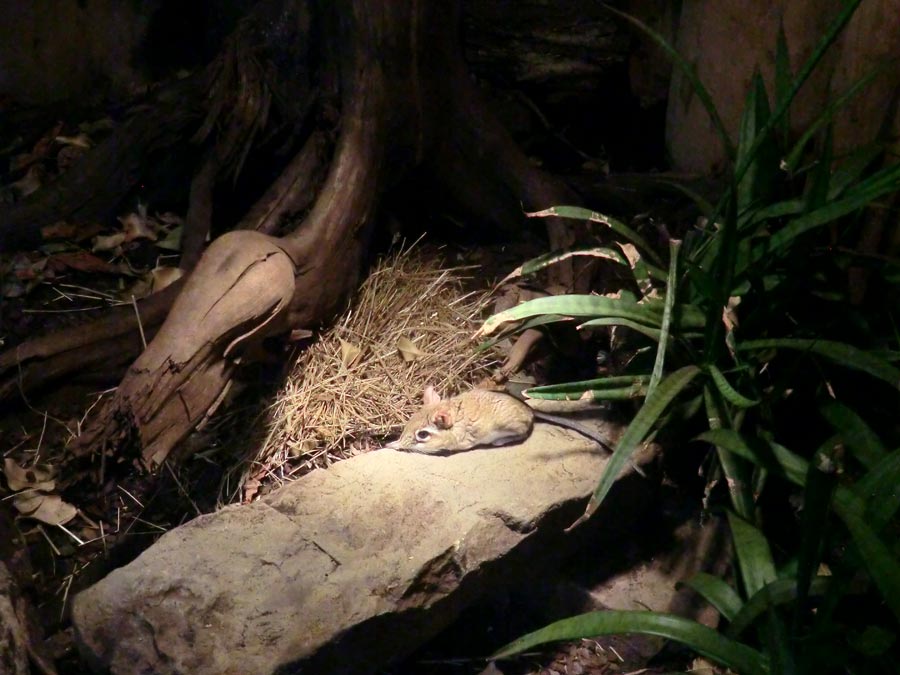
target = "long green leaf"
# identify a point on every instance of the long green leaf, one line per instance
(735, 468)
(753, 554)
(772, 456)
(825, 42)
(781, 657)
(821, 481)
(788, 207)
(762, 167)
(818, 180)
(640, 426)
(858, 437)
(515, 328)
(666, 324)
(825, 118)
(699, 200)
(593, 306)
(862, 194)
(731, 394)
(849, 171)
(599, 389)
(688, 70)
(878, 489)
(874, 553)
(717, 593)
(883, 567)
(778, 459)
(700, 638)
(652, 333)
(778, 592)
(839, 352)
(541, 262)
(617, 226)
(612, 382)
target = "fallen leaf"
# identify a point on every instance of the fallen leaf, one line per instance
(350, 353)
(169, 218)
(32, 181)
(60, 230)
(76, 232)
(137, 226)
(408, 350)
(81, 261)
(251, 487)
(109, 242)
(40, 150)
(50, 509)
(28, 502)
(67, 156)
(19, 478)
(11, 288)
(161, 277)
(142, 287)
(729, 313)
(81, 140)
(103, 124)
(172, 240)
(300, 334)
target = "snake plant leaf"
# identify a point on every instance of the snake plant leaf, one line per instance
(700, 638)
(839, 352)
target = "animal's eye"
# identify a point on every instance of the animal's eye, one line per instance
(423, 435)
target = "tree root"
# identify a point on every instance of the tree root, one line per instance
(414, 106)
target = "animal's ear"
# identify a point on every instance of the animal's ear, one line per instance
(442, 418)
(430, 396)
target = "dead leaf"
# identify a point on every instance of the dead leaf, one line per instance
(631, 254)
(40, 150)
(109, 242)
(251, 487)
(26, 270)
(12, 288)
(161, 277)
(81, 140)
(300, 334)
(138, 226)
(155, 280)
(50, 509)
(81, 261)
(33, 179)
(729, 313)
(67, 156)
(172, 240)
(408, 350)
(28, 502)
(60, 230)
(19, 478)
(169, 218)
(72, 231)
(350, 353)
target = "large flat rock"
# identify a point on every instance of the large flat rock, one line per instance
(342, 570)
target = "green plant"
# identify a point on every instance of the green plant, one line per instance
(753, 262)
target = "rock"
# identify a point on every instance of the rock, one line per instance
(13, 633)
(343, 570)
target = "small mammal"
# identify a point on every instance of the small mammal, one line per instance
(475, 418)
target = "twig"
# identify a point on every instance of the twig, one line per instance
(140, 323)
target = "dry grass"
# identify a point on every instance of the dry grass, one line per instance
(354, 387)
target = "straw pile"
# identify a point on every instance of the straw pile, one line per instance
(410, 325)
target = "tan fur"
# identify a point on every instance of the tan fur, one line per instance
(475, 418)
